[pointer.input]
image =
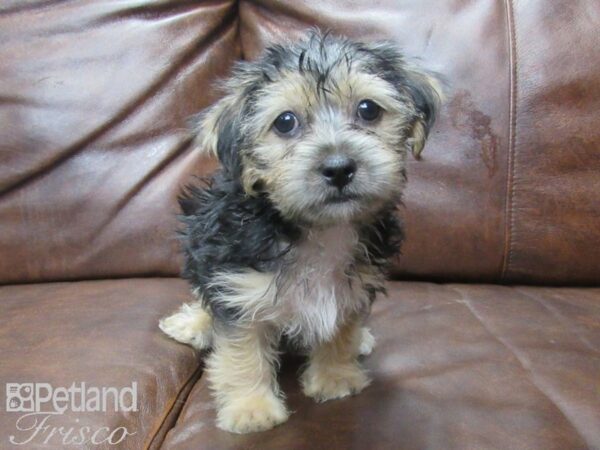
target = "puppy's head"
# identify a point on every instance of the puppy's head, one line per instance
(322, 126)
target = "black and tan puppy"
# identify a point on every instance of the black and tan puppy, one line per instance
(290, 239)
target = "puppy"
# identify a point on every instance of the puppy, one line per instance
(291, 237)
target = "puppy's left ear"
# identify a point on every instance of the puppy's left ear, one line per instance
(422, 88)
(426, 92)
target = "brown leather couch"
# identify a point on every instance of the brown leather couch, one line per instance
(490, 336)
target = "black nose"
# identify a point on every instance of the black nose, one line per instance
(338, 170)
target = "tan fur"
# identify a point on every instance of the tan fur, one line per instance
(312, 296)
(320, 291)
(313, 302)
(192, 325)
(241, 372)
(418, 133)
(333, 370)
(287, 168)
(206, 138)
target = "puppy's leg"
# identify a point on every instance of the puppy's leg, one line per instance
(192, 324)
(242, 374)
(333, 370)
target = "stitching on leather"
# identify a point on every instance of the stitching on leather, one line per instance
(181, 395)
(510, 185)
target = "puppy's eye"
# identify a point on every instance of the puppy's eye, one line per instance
(286, 123)
(368, 110)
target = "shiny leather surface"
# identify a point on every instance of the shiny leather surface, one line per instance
(455, 367)
(94, 148)
(508, 188)
(553, 218)
(455, 196)
(103, 333)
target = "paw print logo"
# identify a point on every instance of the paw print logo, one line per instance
(19, 397)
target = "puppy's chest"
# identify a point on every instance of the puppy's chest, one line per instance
(317, 287)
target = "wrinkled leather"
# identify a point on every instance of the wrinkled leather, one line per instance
(508, 188)
(94, 148)
(455, 367)
(104, 333)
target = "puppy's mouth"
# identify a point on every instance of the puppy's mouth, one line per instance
(341, 197)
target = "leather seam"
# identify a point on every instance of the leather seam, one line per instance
(180, 393)
(510, 185)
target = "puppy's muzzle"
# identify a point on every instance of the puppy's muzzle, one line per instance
(338, 170)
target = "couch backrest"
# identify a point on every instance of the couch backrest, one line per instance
(93, 142)
(95, 97)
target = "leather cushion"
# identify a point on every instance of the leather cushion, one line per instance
(94, 147)
(103, 333)
(455, 367)
(508, 188)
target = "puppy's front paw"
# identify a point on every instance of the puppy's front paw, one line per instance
(190, 325)
(367, 342)
(333, 381)
(252, 413)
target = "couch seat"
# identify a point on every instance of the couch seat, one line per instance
(103, 333)
(456, 367)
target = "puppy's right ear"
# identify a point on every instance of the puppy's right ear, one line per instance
(217, 129)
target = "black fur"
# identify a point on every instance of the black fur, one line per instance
(309, 57)
(383, 59)
(383, 237)
(225, 230)
(228, 231)
(389, 64)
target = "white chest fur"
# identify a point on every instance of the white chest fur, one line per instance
(315, 291)
(310, 295)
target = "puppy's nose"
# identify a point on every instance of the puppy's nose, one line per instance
(338, 170)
